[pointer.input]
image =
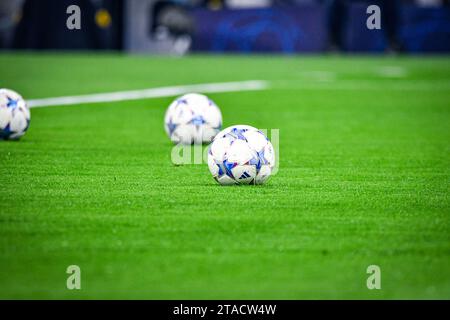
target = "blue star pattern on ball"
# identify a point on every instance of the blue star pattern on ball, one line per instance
(180, 101)
(12, 103)
(228, 166)
(197, 121)
(171, 126)
(225, 167)
(238, 133)
(259, 160)
(5, 132)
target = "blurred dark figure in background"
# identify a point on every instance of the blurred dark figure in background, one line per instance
(172, 20)
(10, 16)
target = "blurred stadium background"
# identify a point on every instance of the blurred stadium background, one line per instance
(181, 26)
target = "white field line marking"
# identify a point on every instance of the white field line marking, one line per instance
(379, 85)
(319, 76)
(392, 72)
(150, 93)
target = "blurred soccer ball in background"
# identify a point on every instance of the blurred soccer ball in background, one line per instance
(14, 115)
(241, 155)
(192, 118)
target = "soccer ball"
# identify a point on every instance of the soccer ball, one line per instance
(14, 115)
(241, 155)
(192, 118)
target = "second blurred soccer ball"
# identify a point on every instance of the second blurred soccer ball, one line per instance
(192, 118)
(14, 115)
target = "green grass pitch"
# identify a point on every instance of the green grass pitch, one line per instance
(364, 179)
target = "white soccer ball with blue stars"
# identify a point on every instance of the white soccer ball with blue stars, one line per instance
(14, 115)
(241, 155)
(192, 118)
